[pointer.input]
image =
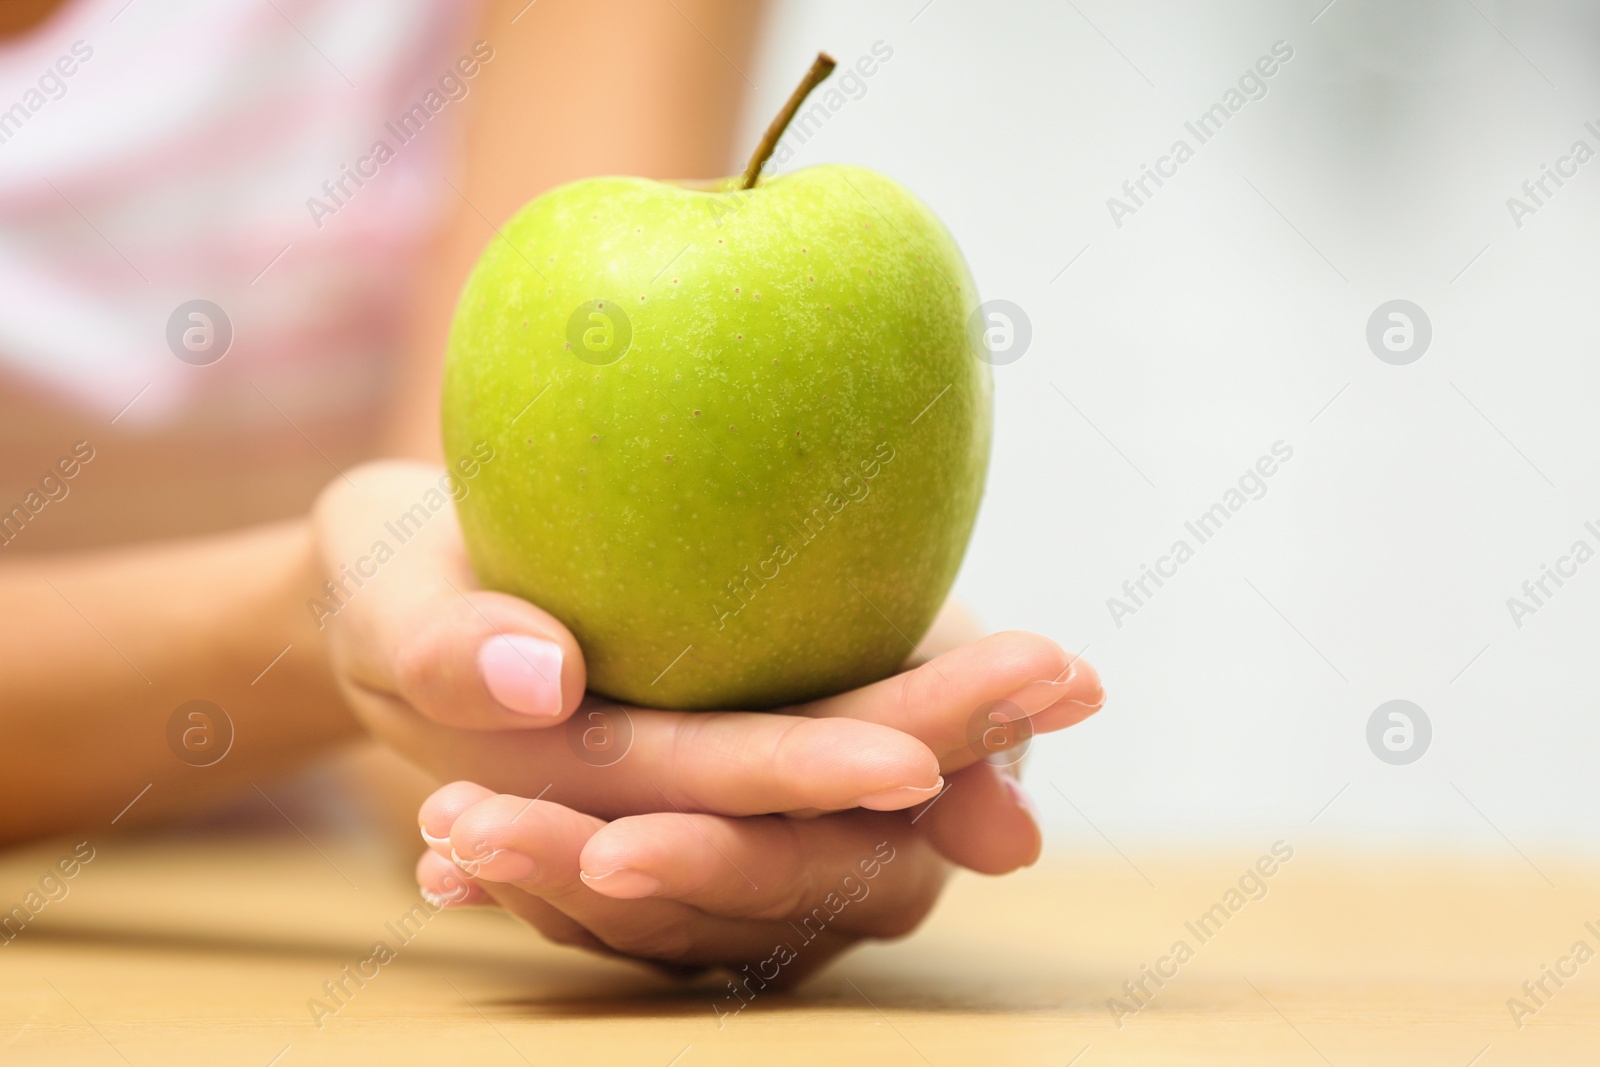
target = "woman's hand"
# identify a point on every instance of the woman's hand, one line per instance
(484, 686)
(768, 898)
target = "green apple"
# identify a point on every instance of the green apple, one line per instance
(741, 433)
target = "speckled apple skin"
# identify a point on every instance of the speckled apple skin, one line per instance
(767, 498)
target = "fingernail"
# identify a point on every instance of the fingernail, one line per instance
(444, 900)
(1078, 696)
(523, 673)
(441, 845)
(461, 895)
(501, 865)
(624, 883)
(1020, 797)
(1031, 698)
(904, 797)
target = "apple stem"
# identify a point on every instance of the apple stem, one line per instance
(821, 67)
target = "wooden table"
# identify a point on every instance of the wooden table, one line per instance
(204, 951)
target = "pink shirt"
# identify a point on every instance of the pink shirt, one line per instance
(154, 153)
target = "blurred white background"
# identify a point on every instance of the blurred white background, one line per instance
(1230, 312)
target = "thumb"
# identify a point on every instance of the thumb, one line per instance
(407, 620)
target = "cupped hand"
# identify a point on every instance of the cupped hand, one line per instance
(473, 684)
(768, 898)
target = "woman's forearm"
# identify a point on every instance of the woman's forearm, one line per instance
(98, 650)
(103, 648)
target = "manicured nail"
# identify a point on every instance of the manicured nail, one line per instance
(455, 894)
(904, 797)
(1080, 696)
(1030, 699)
(624, 883)
(1023, 801)
(501, 865)
(523, 673)
(1020, 797)
(444, 900)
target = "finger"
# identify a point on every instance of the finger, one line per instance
(983, 821)
(860, 872)
(438, 874)
(444, 885)
(441, 882)
(440, 811)
(416, 626)
(953, 702)
(535, 847)
(615, 761)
